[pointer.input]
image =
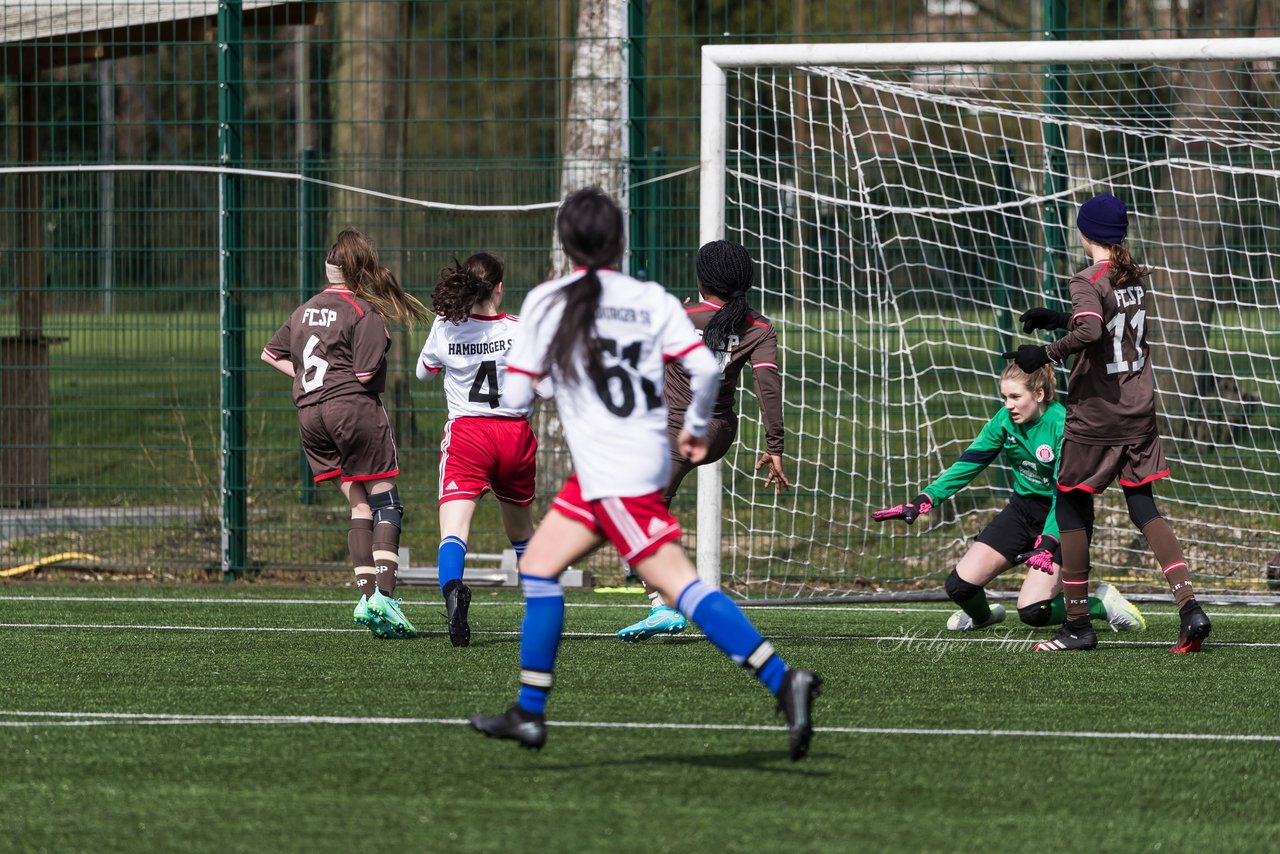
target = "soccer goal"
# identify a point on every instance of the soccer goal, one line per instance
(905, 203)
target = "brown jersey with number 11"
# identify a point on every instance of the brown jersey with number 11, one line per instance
(756, 344)
(1111, 393)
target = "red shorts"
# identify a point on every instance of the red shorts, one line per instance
(482, 454)
(636, 525)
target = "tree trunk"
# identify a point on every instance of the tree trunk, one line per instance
(593, 128)
(1192, 230)
(368, 111)
(592, 154)
(367, 97)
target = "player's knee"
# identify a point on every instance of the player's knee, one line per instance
(1036, 614)
(1142, 505)
(1074, 510)
(387, 508)
(960, 590)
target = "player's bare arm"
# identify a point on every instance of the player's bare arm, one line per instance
(284, 366)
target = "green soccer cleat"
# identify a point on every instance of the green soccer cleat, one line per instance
(388, 610)
(1122, 616)
(662, 620)
(374, 623)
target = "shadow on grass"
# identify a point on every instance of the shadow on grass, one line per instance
(765, 761)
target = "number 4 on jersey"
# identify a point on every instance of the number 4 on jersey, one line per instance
(485, 387)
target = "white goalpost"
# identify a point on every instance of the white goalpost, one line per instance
(905, 202)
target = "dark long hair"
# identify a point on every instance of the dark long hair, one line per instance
(590, 228)
(1124, 270)
(356, 256)
(463, 285)
(725, 269)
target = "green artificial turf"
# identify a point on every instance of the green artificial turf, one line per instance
(252, 777)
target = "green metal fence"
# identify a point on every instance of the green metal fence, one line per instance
(137, 424)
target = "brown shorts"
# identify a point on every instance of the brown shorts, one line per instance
(348, 436)
(720, 435)
(1092, 468)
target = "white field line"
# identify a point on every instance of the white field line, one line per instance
(29, 718)
(633, 605)
(917, 642)
(898, 609)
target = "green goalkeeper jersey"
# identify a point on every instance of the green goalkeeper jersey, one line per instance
(1030, 449)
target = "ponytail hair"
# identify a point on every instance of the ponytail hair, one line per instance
(591, 231)
(463, 285)
(1042, 379)
(1124, 270)
(355, 256)
(726, 270)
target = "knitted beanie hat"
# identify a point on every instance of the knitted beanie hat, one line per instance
(1104, 219)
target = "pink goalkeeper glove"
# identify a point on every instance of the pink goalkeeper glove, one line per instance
(909, 512)
(1041, 555)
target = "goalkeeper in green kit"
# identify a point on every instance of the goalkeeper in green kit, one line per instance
(1028, 432)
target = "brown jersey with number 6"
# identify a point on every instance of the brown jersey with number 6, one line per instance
(337, 344)
(1111, 393)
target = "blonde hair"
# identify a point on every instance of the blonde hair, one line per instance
(1042, 380)
(355, 256)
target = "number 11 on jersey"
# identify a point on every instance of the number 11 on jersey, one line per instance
(1138, 320)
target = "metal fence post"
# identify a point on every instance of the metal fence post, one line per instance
(230, 288)
(310, 220)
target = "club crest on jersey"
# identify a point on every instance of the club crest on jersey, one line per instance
(1044, 454)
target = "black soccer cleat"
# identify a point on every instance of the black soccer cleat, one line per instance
(528, 728)
(1071, 639)
(1195, 628)
(456, 603)
(795, 699)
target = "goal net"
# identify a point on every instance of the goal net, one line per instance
(905, 203)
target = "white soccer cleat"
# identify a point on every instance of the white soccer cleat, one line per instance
(1122, 616)
(962, 622)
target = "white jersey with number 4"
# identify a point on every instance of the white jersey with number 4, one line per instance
(472, 354)
(616, 423)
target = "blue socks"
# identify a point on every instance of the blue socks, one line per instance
(452, 557)
(729, 629)
(539, 640)
(519, 546)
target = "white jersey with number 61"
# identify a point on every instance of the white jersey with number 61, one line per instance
(615, 423)
(473, 356)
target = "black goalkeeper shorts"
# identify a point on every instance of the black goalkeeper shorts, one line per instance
(1015, 528)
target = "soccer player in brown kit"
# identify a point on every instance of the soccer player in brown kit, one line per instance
(334, 347)
(737, 336)
(1111, 419)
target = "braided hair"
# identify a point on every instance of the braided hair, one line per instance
(461, 286)
(591, 230)
(725, 269)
